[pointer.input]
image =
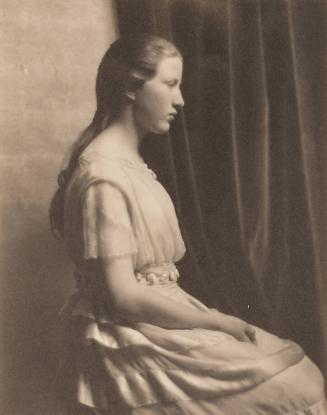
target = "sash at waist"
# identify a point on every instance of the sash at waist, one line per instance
(151, 274)
(157, 274)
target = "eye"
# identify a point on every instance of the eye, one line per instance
(171, 84)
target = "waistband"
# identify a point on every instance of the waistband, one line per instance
(157, 274)
(151, 274)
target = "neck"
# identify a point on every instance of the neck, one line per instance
(122, 137)
(127, 131)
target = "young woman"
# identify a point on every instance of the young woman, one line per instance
(135, 342)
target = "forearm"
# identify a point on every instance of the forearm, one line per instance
(149, 307)
(142, 303)
(162, 311)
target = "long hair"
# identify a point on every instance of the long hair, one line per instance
(127, 64)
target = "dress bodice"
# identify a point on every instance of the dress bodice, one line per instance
(116, 207)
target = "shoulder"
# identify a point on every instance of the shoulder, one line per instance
(96, 164)
(93, 167)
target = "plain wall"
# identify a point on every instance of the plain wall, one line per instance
(49, 55)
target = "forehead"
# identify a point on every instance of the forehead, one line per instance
(170, 67)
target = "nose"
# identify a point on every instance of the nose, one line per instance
(178, 98)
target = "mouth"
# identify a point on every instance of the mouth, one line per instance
(172, 116)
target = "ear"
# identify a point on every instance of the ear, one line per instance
(130, 95)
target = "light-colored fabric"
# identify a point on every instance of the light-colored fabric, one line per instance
(139, 368)
(149, 207)
(107, 227)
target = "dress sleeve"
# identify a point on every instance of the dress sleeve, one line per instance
(107, 227)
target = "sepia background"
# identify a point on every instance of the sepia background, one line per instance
(49, 55)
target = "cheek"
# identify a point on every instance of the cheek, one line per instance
(152, 108)
(155, 101)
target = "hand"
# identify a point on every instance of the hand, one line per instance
(238, 328)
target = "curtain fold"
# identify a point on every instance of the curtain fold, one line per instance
(311, 88)
(246, 161)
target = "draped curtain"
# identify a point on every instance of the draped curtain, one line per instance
(246, 161)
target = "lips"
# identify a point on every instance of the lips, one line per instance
(172, 116)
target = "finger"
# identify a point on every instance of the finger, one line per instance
(254, 340)
(252, 334)
(245, 338)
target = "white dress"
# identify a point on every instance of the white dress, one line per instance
(115, 208)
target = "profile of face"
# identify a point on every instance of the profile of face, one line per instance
(155, 104)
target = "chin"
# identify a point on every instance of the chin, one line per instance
(161, 129)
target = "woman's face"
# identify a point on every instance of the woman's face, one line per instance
(156, 103)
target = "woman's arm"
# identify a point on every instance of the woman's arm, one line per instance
(140, 303)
